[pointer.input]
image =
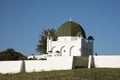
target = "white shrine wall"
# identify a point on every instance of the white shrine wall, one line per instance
(104, 61)
(10, 66)
(52, 63)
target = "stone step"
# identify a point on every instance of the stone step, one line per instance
(80, 62)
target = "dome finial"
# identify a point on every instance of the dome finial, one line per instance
(70, 19)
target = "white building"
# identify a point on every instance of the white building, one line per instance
(71, 41)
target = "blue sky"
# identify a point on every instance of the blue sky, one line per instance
(21, 22)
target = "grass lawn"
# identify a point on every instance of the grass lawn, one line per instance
(75, 74)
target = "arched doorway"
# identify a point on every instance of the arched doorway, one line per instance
(72, 51)
(53, 49)
(63, 51)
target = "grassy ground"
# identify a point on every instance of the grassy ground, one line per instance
(75, 74)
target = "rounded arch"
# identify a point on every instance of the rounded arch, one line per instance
(63, 50)
(72, 50)
(52, 49)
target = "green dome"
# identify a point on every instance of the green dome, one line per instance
(70, 28)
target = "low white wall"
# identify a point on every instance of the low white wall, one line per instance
(104, 61)
(52, 63)
(10, 66)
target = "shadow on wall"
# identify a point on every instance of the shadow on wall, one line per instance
(92, 62)
(23, 67)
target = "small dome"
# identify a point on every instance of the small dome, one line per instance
(90, 38)
(71, 28)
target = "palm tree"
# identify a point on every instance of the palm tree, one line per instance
(42, 43)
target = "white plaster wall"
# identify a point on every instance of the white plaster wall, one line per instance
(10, 66)
(106, 61)
(79, 45)
(52, 63)
(67, 38)
(67, 44)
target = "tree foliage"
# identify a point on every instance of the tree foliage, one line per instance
(42, 43)
(11, 54)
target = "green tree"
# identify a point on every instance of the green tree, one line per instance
(42, 43)
(11, 54)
